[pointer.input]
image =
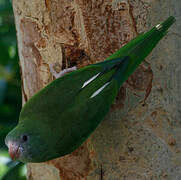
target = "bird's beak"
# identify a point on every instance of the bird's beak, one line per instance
(13, 150)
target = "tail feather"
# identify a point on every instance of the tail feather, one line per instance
(122, 63)
(139, 48)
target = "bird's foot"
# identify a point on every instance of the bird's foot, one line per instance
(56, 70)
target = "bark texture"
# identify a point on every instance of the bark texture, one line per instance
(138, 139)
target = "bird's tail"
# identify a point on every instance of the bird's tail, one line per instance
(138, 49)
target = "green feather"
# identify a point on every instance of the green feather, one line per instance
(61, 116)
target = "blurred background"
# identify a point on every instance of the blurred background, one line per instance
(10, 91)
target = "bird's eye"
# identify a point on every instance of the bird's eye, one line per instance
(24, 138)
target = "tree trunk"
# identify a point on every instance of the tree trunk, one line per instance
(138, 139)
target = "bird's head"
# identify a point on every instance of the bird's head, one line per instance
(28, 144)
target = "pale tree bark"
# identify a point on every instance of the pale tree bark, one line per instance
(136, 140)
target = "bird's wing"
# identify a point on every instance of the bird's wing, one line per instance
(61, 93)
(79, 121)
(90, 106)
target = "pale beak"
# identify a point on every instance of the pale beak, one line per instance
(13, 150)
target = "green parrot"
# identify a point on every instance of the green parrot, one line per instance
(61, 116)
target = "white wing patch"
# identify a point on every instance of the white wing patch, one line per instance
(91, 79)
(158, 26)
(99, 90)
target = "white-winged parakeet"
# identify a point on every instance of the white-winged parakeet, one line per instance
(61, 116)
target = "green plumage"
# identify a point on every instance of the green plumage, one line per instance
(61, 116)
